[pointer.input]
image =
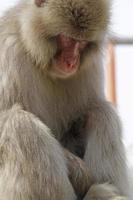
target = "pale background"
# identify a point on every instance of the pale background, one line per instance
(123, 26)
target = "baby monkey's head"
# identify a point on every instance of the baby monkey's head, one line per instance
(63, 32)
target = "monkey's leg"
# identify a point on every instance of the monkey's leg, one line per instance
(79, 174)
(81, 180)
(105, 156)
(32, 165)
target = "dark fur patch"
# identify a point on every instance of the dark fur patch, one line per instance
(74, 138)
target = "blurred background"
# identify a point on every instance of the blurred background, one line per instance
(119, 67)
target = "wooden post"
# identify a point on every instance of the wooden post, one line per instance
(111, 83)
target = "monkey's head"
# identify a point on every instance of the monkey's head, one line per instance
(60, 34)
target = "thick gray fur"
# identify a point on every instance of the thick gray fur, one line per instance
(37, 105)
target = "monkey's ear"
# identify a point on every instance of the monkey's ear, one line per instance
(39, 3)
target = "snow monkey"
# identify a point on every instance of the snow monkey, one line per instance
(59, 137)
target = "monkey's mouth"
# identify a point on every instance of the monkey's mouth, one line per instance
(69, 52)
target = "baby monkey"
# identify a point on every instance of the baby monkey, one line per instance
(59, 137)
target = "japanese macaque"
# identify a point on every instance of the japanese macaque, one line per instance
(59, 137)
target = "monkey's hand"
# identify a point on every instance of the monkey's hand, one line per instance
(103, 192)
(78, 174)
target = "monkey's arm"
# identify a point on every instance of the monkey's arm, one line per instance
(105, 154)
(79, 174)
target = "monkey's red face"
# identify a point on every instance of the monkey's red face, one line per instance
(67, 32)
(67, 59)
